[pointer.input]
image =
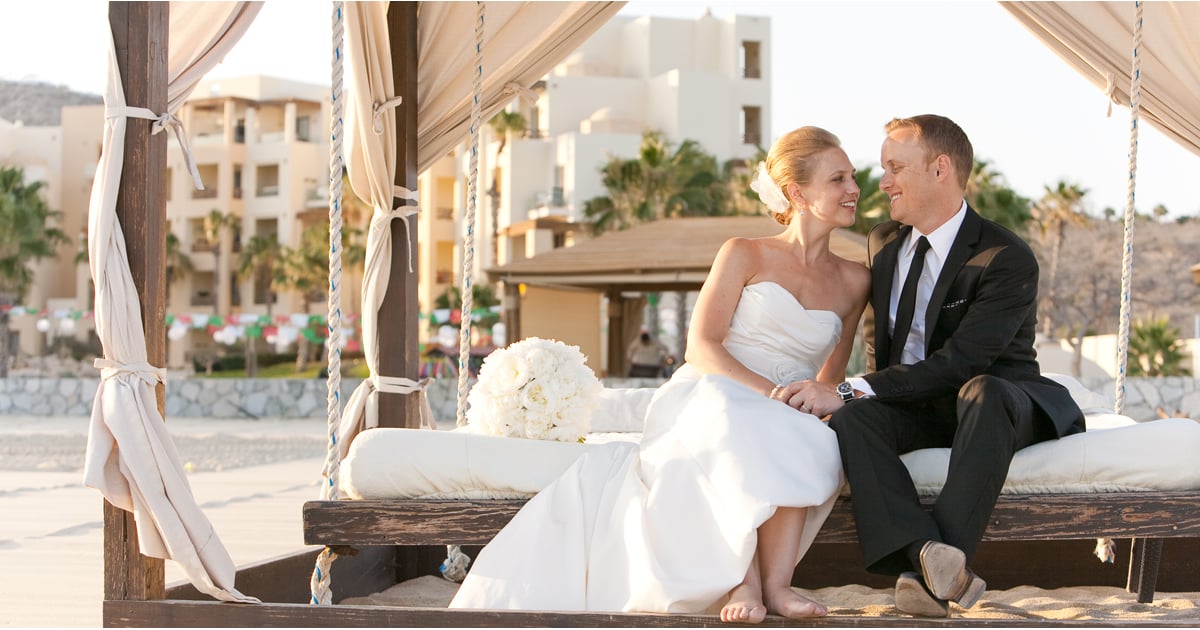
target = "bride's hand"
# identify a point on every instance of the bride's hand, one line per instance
(814, 397)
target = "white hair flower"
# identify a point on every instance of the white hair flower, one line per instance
(768, 191)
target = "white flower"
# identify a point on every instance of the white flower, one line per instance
(768, 191)
(535, 388)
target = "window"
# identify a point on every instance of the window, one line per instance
(751, 60)
(752, 125)
(303, 129)
(268, 181)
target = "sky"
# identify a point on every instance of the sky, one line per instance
(846, 66)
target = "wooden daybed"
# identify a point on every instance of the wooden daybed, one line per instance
(134, 589)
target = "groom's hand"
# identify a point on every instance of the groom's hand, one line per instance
(819, 399)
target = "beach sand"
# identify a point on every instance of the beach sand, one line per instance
(251, 478)
(1104, 605)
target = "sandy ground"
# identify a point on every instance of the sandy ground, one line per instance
(251, 477)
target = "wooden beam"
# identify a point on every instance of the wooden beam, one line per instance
(139, 32)
(185, 614)
(1016, 517)
(398, 315)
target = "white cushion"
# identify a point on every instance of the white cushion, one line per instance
(1157, 455)
(459, 464)
(1115, 454)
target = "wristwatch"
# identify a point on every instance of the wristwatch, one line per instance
(846, 391)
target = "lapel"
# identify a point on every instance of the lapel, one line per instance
(960, 253)
(881, 291)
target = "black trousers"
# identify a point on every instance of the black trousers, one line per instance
(987, 423)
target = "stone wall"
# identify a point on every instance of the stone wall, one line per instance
(305, 398)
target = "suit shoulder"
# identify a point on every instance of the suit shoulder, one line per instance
(995, 231)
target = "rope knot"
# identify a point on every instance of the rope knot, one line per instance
(378, 110)
(1110, 88)
(110, 368)
(527, 96)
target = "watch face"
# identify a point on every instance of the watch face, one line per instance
(845, 388)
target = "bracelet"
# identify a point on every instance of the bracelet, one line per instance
(775, 390)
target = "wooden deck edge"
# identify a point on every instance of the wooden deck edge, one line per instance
(1016, 517)
(192, 614)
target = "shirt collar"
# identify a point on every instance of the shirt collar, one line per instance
(941, 239)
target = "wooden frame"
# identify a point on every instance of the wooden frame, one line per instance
(134, 588)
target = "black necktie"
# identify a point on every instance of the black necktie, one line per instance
(908, 300)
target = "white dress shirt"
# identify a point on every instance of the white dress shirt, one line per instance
(940, 241)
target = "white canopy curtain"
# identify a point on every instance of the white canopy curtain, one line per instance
(1095, 39)
(130, 457)
(522, 41)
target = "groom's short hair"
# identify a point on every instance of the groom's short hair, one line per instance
(940, 135)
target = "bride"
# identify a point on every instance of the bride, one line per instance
(730, 484)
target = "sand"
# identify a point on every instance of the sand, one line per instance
(1102, 604)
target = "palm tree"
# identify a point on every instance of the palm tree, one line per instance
(1155, 349)
(214, 225)
(663, 181)
(1060, 206)
(736, 175)
(25, 237)
(178, 262)
(261, 260)
(989, 194)
(306, 268)
(503, 124)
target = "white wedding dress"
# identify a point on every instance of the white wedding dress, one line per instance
(670, 526)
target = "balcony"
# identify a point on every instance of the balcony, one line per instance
(203, 298)
(207, 193)
(552, 203)
(201, 245)
(752, 137)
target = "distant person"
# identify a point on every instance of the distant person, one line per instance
(725, 493)
(949, 335)
(646, 357)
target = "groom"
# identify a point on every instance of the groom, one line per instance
(949, 335)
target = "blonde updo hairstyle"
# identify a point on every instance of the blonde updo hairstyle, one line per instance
(791, 159)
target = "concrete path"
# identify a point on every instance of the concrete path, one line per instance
(250, 478)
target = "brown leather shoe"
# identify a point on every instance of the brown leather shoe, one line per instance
(913, 598)
(945, 571)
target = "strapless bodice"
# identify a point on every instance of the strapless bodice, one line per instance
(774, 335)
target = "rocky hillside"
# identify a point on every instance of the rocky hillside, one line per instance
(39, 104)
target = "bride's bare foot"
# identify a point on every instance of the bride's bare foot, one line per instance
(785, 602)
(745, 605)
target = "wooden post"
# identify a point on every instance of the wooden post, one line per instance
(139, 32)
(616, 333)
(398, 315)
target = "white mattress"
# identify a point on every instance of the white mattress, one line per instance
(1115, 454)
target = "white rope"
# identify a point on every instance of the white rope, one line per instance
(111, 368)
(464, 327)
(161, 122)
(455, 566)
(1105, 546)
(319, 584)
(1135, 106)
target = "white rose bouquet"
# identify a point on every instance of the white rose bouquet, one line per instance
(534, 388)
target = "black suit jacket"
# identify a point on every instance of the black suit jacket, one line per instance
(980, 320)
